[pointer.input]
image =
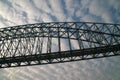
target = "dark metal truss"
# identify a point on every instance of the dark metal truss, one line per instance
(57, 42)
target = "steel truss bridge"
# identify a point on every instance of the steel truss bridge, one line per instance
(57, 42)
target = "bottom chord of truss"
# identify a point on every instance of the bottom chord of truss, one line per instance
(60, 57)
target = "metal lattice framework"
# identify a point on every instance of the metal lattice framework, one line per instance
(56, 42)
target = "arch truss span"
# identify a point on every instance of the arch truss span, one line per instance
(57, 42)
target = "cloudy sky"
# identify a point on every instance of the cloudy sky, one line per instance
(18, 12)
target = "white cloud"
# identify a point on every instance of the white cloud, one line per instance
(107, 11)
(99, 8)
(115, 4)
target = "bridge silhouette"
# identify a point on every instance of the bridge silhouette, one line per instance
(57, 42)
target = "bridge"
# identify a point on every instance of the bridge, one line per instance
(57, 42)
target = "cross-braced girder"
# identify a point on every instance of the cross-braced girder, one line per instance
(55, 42)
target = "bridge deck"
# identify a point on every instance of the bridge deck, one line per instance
(59, 57)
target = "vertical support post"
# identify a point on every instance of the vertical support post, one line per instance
(59, 45)
(70, 47)
(78, 36)
(49, 45)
